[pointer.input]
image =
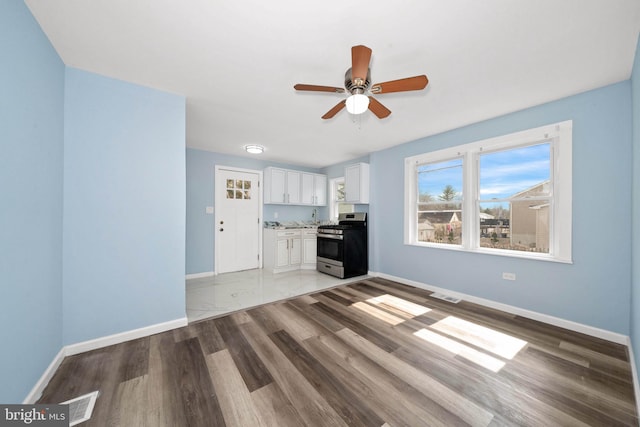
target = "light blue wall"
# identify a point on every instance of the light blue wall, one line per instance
(595, 289)
(635, 252)
(31, 141)
(124, 207)
(200, 194)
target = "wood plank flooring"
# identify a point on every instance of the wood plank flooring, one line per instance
(372, 353)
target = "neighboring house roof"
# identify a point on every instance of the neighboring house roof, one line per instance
(533, 189)
(540, 206)
(440, 217)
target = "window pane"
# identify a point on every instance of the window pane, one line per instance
(440, 202)
(521, 225)
(519, 172)
(340, 192)
(440, 181)
(521, 177)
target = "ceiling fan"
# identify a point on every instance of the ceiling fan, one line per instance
(357, 81)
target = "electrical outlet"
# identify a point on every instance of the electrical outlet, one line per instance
(275, 215)
(209, 210)
(509, 276)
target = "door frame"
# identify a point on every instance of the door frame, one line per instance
(218, 201)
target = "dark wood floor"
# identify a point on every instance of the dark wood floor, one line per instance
(372, 353)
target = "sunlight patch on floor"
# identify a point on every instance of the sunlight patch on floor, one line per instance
(496, 342)
(461, 350)
(400, 304)
(377, 313)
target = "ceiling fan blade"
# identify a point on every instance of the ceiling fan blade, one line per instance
(339, 106)
(360, 58)
(402, 85)
(316, 88)
(378, 109)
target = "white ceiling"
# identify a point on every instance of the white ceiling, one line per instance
(236, 61)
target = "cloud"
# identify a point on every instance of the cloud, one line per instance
(507, 189)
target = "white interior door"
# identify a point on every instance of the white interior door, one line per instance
(238, 228)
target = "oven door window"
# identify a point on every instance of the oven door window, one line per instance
(330, 248)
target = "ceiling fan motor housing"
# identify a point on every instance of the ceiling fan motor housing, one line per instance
(359, 86)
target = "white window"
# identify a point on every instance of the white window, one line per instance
(509, 195)
(338, 204)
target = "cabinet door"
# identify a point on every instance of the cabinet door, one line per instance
(293, 187)
(308, 189)
(310, 251)
(314, 189)
(320, 190)
(275, 183)
(295, 251)
(356, 183)
(352, 183)
(282, 252)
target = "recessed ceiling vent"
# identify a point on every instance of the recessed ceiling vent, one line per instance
(81, 408)
(444, 297)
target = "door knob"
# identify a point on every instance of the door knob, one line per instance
(222, 229)
(221, 222)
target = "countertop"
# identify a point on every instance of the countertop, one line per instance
(287, 225)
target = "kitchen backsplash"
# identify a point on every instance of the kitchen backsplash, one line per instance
(294, 213)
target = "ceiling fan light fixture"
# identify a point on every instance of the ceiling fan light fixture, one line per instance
(254, 148)
(357, 103)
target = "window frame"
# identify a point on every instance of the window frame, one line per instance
(560, 137)
(334, 209)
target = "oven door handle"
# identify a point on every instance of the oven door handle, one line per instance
(330, 236)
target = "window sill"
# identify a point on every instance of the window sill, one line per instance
(494, 252)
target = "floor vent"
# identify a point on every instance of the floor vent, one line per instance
(80, 408)
(445, 297)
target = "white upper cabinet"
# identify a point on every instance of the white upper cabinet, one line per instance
(275, 185)
(291, 187)
(281, 186)
(356, 183)
(314, 189)
(320, 189)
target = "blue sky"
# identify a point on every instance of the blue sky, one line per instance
(502, 173)
(434, 177)
(505, 173)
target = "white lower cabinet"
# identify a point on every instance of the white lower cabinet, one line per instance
(309, 249)
(287, 250)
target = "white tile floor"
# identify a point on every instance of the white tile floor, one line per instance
(225, 293)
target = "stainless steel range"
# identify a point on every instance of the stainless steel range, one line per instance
(342, 248)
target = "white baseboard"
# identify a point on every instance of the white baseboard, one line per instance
(70, 350)
(200, 275)
(37, 389)
(94, 344)
(545, 318)
(634, 374)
